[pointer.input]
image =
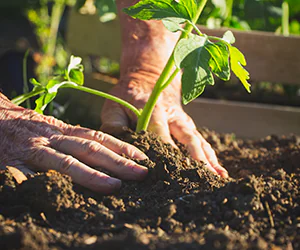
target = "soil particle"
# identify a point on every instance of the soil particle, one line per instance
(180, 205)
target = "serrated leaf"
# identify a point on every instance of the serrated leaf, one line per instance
(191, 55)
(219, 61)
(237, 61)
(173, 23)
(228, 37)
(159, 9)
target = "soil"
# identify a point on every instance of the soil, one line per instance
(180, 205)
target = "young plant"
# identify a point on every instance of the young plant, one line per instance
(200, 56)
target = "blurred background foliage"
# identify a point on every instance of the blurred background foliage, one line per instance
(48, 20)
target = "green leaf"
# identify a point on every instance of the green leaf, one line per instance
(173, 23)
(75, 70)
(237, 61)
(159, 9)
(228, 37)
(219, 61)
(76, 76)
(191, 55)
(35, 82)
(106, 9)
(43, 101)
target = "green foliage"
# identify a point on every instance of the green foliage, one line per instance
(152, 9)
(73, 75)
(192, 55)
(74, 72)
(198, 55)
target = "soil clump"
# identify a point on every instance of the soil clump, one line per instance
(180, 205)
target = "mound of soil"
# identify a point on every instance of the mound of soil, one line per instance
(180, 205)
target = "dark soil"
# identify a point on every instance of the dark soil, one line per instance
(179, 206)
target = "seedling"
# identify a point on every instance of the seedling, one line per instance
(200, 56)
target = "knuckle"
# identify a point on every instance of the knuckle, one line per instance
(34, 142)
(66, 163)
(122, 163)
(90, 148)
(56, 140)
(99, 136)
(188, 136)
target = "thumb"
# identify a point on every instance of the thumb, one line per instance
(113, 118)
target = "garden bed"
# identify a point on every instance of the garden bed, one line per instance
(179, 206)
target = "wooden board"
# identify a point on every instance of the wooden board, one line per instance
(88, 36)
(270, 57)
(246, 120)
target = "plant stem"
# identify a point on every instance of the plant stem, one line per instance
(285, 19)
(105, 95)
(164, 79)
(25, 82)
(57, 11)
(22, 98)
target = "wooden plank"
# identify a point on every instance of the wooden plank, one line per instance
(246, 120)
(88, 36)
(270, 57)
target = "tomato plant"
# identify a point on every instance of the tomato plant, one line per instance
(198, 55)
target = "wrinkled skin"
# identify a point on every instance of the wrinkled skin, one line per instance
(146, 47)
(30, 141)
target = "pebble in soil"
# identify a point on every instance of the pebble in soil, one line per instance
(180, 205)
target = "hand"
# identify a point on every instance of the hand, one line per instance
(168, 118)
(146, 47)
(36, 142)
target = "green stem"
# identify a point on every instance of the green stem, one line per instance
(56, 15)
(285, 19)
(163, 80)
(22, 98)
(105, 95)
(25, 82)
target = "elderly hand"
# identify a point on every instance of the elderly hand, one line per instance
(146, 47)
(37, 142)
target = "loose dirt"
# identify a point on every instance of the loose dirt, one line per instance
(180, 205)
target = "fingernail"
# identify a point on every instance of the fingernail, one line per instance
(116, 183)
(224, 174)
(140, 156)
(140, 170)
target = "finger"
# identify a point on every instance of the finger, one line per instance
(95, 154)
(79, 172)
(109, 142)
(113, 118)
(185, 132)
(159, 125)
(192, 142)
(212, 157)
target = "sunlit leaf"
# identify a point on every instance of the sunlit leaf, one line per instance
(237, 61)
(191, 55)
(159, 9)
(219, 59)
(173, 24)
(229, 37)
